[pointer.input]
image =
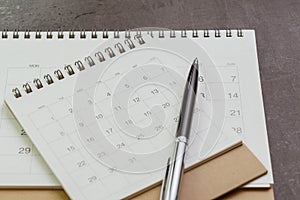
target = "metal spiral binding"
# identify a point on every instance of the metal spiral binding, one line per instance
(94, 34)
(4, 34)
(228, 33)
(217, 33)
(138, 33)
(82, 34)
(15, 34)
(71, 34)
(129, 43)
(161, 34)
(183, 33)
(60, 35)
(27, 34)
(27, 88)
(37, 82)
(69, 70)
(172, 34)
(140, 39)
(110, 52)
(89, 60)
(80, 65)
(120, 47)
(38, 34)
(150, 33)
(116, 34)
(49, 35)
(105, 34)
(240, 33)
(48, 79)
(195, 33)
(59, 74)
(205, 33)
(100, 56)
(16, 92)
(127, 34)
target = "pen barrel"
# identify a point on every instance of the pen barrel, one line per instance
(171, 183)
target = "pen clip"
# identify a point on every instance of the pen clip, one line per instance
(163, 187)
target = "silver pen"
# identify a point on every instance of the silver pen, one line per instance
(173, 176)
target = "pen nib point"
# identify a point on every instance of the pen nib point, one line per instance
(195, 61)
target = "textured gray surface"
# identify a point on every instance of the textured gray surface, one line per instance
(277, 25)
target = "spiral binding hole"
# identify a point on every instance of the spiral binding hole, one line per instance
(79, 65)
(38, 84)
(217, 33)
(59, 74)
(27, 88)
(48, 79)
(110, 52)
(206, 33)
(69, 70)
(49, 35)
(100, 56)
(27, 34)
(89, 60)
(38, 35)
(129, 43)
(120, 47)
(16, 34)
(16, 92)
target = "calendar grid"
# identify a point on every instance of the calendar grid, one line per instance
(54, 141)
(29, 115)
(78, 149)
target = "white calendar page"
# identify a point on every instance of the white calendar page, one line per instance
(95, 148)
(21, 60)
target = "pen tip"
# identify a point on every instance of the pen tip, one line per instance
(195, 61)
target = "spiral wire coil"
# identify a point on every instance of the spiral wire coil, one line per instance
(94, 34)
(88, 60)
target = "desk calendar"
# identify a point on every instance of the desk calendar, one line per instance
(233, 66)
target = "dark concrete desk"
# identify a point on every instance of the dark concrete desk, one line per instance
(277, 25)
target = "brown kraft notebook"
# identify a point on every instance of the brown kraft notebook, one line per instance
(210, 180)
